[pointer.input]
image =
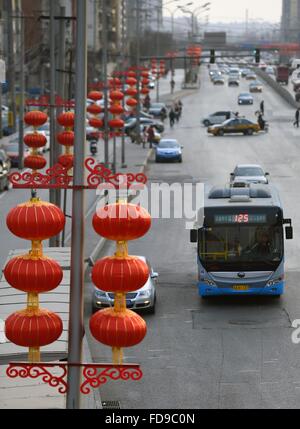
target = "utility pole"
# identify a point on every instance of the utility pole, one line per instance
(122, 68)
(104, 79)
(53, 160)
(76, 326)
(61, 80)
(157, 55)
(138, 71)
(22, 89)
(11, 65)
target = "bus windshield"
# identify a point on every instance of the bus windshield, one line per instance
(241, 247)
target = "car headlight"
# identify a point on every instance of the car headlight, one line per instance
(100, 294)
(145, 293)
(275, 281)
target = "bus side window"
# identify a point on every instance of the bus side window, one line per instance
(194, 236)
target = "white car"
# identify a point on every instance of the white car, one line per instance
(249, 173)
(143, 299)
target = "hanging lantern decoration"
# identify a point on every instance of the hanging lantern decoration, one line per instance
(162, 68)
(116, 110)
(131, 92)
(66, 138)
(145, 82)
(35, 140)
(94, 109)
(119, 327)
(34, 273)
(154, 68)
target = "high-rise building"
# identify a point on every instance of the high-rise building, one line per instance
(290, 20)
(150, 12)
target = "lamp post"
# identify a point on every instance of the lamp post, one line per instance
(192, 13)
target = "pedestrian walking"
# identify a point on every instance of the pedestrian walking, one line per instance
(172, 83)
(151, 135)
(297, 114)
(172, 117)
(177, 112)
(262, 107)
(144, 137)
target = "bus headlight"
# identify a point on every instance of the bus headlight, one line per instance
(275, 281)
(209, 282)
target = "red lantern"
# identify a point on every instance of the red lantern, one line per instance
(116, 95)
(145, 74)
(131, 73)
(131, 81)
(116, 123)
(35, 140)
(66, 160)
(132, 92)
(145, 91)
(121, 222)
(35, 220)
(116, 109)
(30, 274)
(131, 102)
(33, 328)
(95, 95)
(113, 274)
(66, 138)
(35, 162)
(124, 329)
(94, 109)
(96, 122)
(66, 119)
(115, 82)
(35, 118)
(145, 81)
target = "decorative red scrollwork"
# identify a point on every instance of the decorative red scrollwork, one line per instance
(60, 177)
(94, 374)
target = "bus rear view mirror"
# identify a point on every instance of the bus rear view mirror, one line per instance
(193, 235)
(289, 232)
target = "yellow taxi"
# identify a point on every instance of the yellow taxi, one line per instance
(234, 126)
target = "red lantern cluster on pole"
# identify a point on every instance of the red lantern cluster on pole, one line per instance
(34, 273)
(35, 140)
(116, 110)
(145, 82)
(95, 110)
(66, 138)
(119, 327)
(154, 67)
(131, 92)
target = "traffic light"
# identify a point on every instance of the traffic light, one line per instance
(257, 55)
(212, 56)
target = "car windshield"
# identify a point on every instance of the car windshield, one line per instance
(168, 144)
(243, 248)
(249, 171)
(245, 94)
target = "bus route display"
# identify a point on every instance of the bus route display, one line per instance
(240, 218)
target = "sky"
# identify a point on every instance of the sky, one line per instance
(232, 10)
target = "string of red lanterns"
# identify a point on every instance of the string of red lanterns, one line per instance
(34, 273)
(35, 140)
(66, 138)
(119, 327)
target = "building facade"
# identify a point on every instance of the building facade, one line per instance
(290, 21)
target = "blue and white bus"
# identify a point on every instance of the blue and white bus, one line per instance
(240, 241)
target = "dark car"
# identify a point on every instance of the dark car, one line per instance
(4, 160)
(12, 150)
(245, 98)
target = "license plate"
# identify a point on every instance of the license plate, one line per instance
(240, 287)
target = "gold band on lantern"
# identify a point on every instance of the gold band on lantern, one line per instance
(122, 249)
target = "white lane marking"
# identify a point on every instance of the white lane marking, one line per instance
(2, 195)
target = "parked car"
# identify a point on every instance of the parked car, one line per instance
(143, 299)
(234, 126)
(5, 160)
(157, 109)
(12, 150)
(168, 150)
(4, 182)
(245, 98)
(218, 117)
(255, 86)
(249, 173)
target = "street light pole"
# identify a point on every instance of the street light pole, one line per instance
(157, 54)
(138, 72)
(22, 90)
(104, 80)
(76, 326)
